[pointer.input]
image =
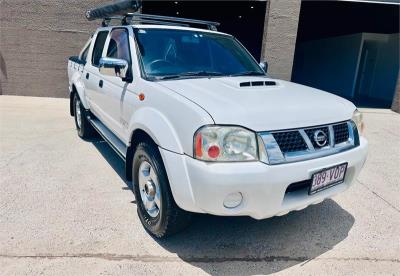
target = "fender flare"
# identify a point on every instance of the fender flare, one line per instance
(158, 127)
(161, 131)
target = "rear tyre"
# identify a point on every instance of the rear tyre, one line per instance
(84, 128)
(156, 207)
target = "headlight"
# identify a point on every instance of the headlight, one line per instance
(358, 120)
(225, 143)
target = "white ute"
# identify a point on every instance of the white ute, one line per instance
(203, 129)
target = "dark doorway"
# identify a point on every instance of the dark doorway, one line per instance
(243, 19)
(350, 49)
(365, 73)
(321, 19)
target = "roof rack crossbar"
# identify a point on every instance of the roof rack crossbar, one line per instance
(161, 18)
(126, 20)
(139, 21)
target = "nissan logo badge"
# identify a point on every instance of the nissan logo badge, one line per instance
(320, 138)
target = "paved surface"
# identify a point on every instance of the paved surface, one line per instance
(66, 209)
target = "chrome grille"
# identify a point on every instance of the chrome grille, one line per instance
(290, 141)
(303, 143)
(341, 133)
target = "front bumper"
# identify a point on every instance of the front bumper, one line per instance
(202, 187)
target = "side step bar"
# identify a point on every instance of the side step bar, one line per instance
(116, 144)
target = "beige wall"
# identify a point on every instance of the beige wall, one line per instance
(280, 33)
(36, 39)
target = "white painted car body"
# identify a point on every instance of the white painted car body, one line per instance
(173, 110)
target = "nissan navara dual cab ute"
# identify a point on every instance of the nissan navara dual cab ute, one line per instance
(203, 129)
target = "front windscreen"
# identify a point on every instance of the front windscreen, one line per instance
(166, 52)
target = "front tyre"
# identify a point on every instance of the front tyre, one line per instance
(156, 207)
(83, 126)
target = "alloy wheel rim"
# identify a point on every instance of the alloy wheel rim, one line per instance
(78, 113)
(149, 189)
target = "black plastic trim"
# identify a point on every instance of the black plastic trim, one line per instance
(76, 59)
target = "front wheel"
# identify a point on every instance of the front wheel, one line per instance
(156, 207)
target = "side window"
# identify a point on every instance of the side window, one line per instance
(98, 47)
(119, 45)
(85, 53)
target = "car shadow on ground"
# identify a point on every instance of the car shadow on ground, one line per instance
(112, 158)
(242, 245)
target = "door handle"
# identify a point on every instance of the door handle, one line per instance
(101, 83)
(87, 76)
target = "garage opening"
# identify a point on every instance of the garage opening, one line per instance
(243, 19)
(350, 49)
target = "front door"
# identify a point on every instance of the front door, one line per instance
(115, 89)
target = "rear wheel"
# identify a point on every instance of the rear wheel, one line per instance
(83, 126)
(156, 207)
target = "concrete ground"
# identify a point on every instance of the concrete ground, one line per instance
(65, 209)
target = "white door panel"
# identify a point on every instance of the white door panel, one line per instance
(114, 88)
(92, 75)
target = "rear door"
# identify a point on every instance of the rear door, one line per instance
(92, 77)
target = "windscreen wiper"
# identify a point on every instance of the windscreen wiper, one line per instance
(192, 74)
(248, 73)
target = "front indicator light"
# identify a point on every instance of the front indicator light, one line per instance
(198, 147)
(359, 121)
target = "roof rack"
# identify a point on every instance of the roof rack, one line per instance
(126, 12)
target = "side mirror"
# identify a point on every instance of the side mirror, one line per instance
(113, 67)
(264, 66)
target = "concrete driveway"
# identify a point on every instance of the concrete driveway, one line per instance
(66, 209)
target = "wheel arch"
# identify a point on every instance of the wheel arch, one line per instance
(158, 127)
(77, 87)
(138, 136)
(149, 124)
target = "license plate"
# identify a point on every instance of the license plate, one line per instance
(327, 178)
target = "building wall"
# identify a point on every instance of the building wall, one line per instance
(36, 39)
(396, 99)
(280, 33)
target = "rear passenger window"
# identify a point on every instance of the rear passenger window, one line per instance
(98, 47)
(85, 53)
